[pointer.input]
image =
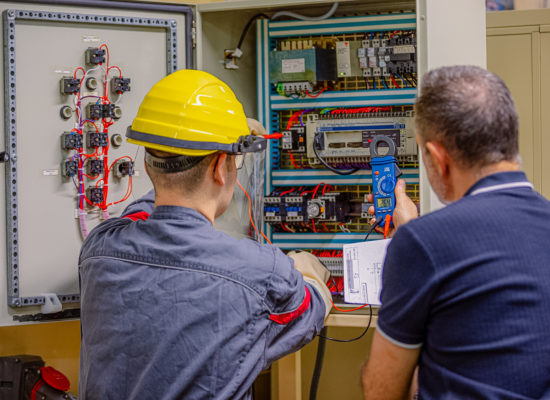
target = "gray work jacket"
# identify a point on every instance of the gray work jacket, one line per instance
(173, 309)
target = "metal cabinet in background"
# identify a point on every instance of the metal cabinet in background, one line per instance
(518, 50)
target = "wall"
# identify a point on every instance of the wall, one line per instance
(58, 343)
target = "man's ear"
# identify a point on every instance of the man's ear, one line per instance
(440, 157)
(219, 172)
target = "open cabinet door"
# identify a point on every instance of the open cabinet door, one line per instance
(450, 33)
(74, 76)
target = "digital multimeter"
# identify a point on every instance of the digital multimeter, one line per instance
(384, 177)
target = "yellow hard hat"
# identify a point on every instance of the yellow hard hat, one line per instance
(193, 113)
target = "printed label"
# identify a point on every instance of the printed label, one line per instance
(90, 38)
(405, 49)
(293, 65)
(50, 172)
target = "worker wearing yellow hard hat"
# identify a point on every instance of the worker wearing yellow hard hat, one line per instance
(193, 113)
(170, 306)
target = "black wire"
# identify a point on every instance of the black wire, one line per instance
(323, 335)
(355, 338)
(335, 170)
(378, 222)
(412, 82)
(247, 27)
(318, 364)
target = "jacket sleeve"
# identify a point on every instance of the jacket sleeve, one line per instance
(297, 310)
(140, 208)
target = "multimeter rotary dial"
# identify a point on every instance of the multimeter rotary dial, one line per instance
(386, 185)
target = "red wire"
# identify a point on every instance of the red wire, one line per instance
(351, 309)
(394, 81)
(315, 95)
(313, 224)
(93, 123)
(81, 69)
(292, 119)
(127, 195)
(275, 135)
(325, 227)
(360, 110)
(330, 187)
(115, 67)
(315, 190)
(287, 192)
(292, 160)
(285, 228)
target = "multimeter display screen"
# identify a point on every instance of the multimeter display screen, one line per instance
(383, 202)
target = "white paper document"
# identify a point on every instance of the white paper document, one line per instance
(363, 263)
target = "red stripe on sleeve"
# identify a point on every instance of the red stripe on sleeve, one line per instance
(285, 318)
(139, 215)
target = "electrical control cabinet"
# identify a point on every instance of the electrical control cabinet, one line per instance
(318, 172)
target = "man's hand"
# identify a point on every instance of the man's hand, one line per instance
(255, 127)
(405, 209)
(314, 273)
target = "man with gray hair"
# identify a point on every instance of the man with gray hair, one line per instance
(466, 289)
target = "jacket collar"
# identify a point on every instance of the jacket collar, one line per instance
(178, 212)
(498, 179)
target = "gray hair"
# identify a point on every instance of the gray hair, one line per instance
(470, 111)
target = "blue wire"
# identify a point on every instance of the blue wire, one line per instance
(384, 82)
(303, 112)
(374, 82)
(402, 80)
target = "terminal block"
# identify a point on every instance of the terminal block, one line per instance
(69, 85)
(293, 207)
(97, 111)
(95, 167)
(123, 168)
(94, 111)
(296, 87)
(95, 56)
(120, 85)
(71, 141)
(109, 111)
(97, 139)
(294, 139)
(95, 195)
(69, 168)
(302, 208)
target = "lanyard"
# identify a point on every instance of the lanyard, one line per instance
(502, 187)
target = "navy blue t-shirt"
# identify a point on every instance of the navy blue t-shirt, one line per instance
(470, 285)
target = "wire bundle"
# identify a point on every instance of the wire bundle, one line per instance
(100, 153)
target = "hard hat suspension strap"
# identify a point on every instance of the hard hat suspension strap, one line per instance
(167, 165)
